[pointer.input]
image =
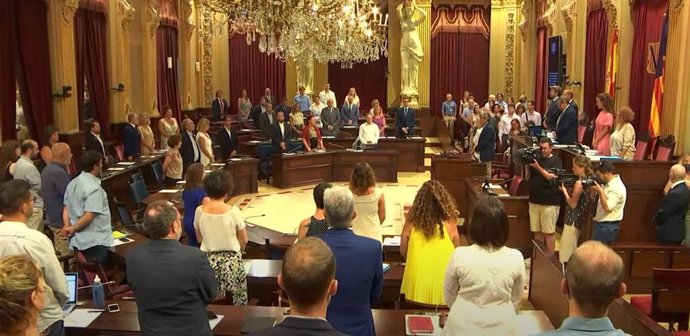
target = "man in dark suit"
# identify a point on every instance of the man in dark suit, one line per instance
(566, 124)
(172, 283)
(308, 278)
(553, 112)
(285, 107)
(131, 137)
(189, 150)
(219, 106)
(93, 140)
(571, 99)
(227, 138)
(670, 218)
(485, 148)
(257, 111)
(405, 120)
(349, 113)
(270, 98)
(266, 120)
(280, 133)
(360, 267)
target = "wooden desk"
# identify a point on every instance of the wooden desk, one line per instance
(116, 183)
(644, 181)
(121, 251)
(640, 258)
(310, 168)
(451, 173)
(545, 294)
(410, 151)
(517, 209)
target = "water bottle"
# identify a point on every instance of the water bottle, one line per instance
(97, 293)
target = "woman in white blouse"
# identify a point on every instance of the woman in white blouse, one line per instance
(368, 133)
(623, 137)
(316, 107)
(221, 231)
(485, 281)
(205, 142)
(370, 204)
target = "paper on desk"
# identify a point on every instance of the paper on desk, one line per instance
(503, 195)
(169, 191)
(217, 164)
(116, 168)
(246, 129)
(213, 323)
(125, 163)
(495, 186)
(81, 318)
(247, 267)
(235, 159)
(118, 242)
(118, 234)
(181, 182)
(254, 141)
(391, 241)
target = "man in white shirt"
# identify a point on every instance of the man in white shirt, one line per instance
(16, 203)
(27, 171)
(531, 115)
(490, 104)
(327, 94)
(612, 197)
(368, 133)
(504, 125)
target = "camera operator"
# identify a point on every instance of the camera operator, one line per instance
(576, 207)
(612, 198)
(544, 196)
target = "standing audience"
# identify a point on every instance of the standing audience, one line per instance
(379, 117)
(281, 132)
(9, 154)
(173, 163)
(54, 180)
(204, 142)
(427, 241)
(405, 120)
(167, 126)
(449, 109)
(316, 107)
(302, 100)
(352, 93)
(227, 139)
(131, 139)
(22, 297)
(359, 272)
(27, 171)
(50, 137)
(484, 141)
(670, 218)
(244, 106)
(623, 137)
(485, 281)
(603, 125)
(189, 149)
(369, 133)
(16, 204)
(193, 196)
(330, 119)
(148, 142)
(93, 141)
(266, 119)
(221, 232)
(172, 283)
(316, 224)
(566, 124)
(531, 115)
(349, 113)
(87, 216)
(612, 198)
(311, 135)
(554, 111)
(296, 119)
(327, 94)
(544, 196)
(370, 204)
(576, 207)
(219, 107)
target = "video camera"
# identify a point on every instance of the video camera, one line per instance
(529, 154)
(569, 179)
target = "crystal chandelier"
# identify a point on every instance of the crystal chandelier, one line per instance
(346, 31)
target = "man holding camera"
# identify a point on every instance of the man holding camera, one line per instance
(612, 197)
(544, 196)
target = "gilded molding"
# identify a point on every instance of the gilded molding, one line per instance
(611, 12)
(207, 51)
(549, 17)
(152, 17)
(126, 10)
(69, 8)
(510, 55)
(676, 5)
(524, 24)
(569, 12)
(189, 24)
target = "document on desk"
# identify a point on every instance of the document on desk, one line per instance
(235, 159)
(81, 318)
(169, 191)
(116, 169)
(217, 164)
(118, 242)
(495, 186)
(181, 182)
(125, 163)
(213, 323)
(391, 241)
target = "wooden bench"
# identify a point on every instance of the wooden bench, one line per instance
(640, 259)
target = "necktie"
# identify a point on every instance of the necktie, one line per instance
(270, 118)
(220, 103)
(406, 111)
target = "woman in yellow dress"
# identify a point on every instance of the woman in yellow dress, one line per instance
(429, 237)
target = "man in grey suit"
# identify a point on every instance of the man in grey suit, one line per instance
(172, 283)
(266, 120)
(26, 170)
(330, 118)
(350, 112)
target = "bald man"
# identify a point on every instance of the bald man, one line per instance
(593, 279)
(54, 180)
(670, 218)
(27, 171)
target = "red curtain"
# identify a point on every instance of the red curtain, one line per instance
(540, 86)
(7, 76)
(459, 62)
(167, 48)
(595, 60)
(368, 79)
(647, 19)
(32, 64)
(254, 71)
(91, 56)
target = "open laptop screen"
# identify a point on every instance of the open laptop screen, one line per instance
(72, 284)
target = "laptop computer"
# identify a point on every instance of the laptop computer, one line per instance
(72, 283)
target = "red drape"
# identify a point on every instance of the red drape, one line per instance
(167, 47)
(368, 79)
(540, 86)
(254, 71)
(91, 56)
(595, 60)
(459, 62)
(32, 64)
(647, 18)
(7, 76)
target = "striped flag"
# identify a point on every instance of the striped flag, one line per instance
(612, 66)
(658, 94)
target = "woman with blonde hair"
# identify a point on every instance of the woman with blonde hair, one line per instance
(623, 137)
(379, 116)
(204, 141)
(167, 126)
(148, 142)
(22, 298)
(244, 106)
(352, 93)
(370, 205)
(428, 238)
(296, 119)
(577, 204)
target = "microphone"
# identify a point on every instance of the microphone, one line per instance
(349, 136)
(294, 149)
(336, 145)
(255, 216)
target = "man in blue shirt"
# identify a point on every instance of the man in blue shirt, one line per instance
(87, 221)
(593, 279)
(54, 180)
(449, 109)
(303, 100)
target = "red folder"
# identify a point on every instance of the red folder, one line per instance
(420, 324)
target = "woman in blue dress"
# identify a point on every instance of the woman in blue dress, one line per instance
(193, 196)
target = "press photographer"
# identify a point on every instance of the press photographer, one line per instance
(544, 196)
(576, 205)
(612, 197)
